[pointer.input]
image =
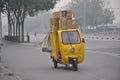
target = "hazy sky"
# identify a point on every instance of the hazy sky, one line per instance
(114, 4)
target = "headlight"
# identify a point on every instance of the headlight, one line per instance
(72, 50)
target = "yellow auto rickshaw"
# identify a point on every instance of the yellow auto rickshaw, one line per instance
(67, 47)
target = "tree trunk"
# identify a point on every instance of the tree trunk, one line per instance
(8, 15)
(19, 29)
(13, 24)
(22, 30)
(14, 20)
(16, 27)
(16, 24)
(22, 25)
(0, 25)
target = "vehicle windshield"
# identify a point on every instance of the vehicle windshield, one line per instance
(71, 37)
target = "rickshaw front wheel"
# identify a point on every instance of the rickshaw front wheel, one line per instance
(75, 65)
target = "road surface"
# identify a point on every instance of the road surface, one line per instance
(102, 62)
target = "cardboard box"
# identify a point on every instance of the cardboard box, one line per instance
(56, 14)
(67, 14)
(63, 14)
(68, 23)
(63, 23)
(72, 24)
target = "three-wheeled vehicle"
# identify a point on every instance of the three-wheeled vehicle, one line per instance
(67, 47)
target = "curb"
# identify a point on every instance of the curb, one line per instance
(31, 44)
(7, 74)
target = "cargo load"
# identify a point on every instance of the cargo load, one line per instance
(63, 20)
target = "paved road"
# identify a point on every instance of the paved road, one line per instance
(102, 62)
(103, 46)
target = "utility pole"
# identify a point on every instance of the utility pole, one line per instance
(0, 25)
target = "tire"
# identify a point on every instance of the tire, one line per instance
(75, 66)
(55, 63)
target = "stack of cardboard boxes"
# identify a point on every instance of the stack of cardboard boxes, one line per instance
(63, 20)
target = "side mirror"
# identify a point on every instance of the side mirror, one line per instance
(83, 40)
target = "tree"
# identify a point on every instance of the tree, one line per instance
(17, 10)
(91, 12)
(0, 25)
(108, 16)
(2, 5)
(1, 9)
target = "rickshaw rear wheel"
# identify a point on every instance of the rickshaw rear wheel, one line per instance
(55, 63)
